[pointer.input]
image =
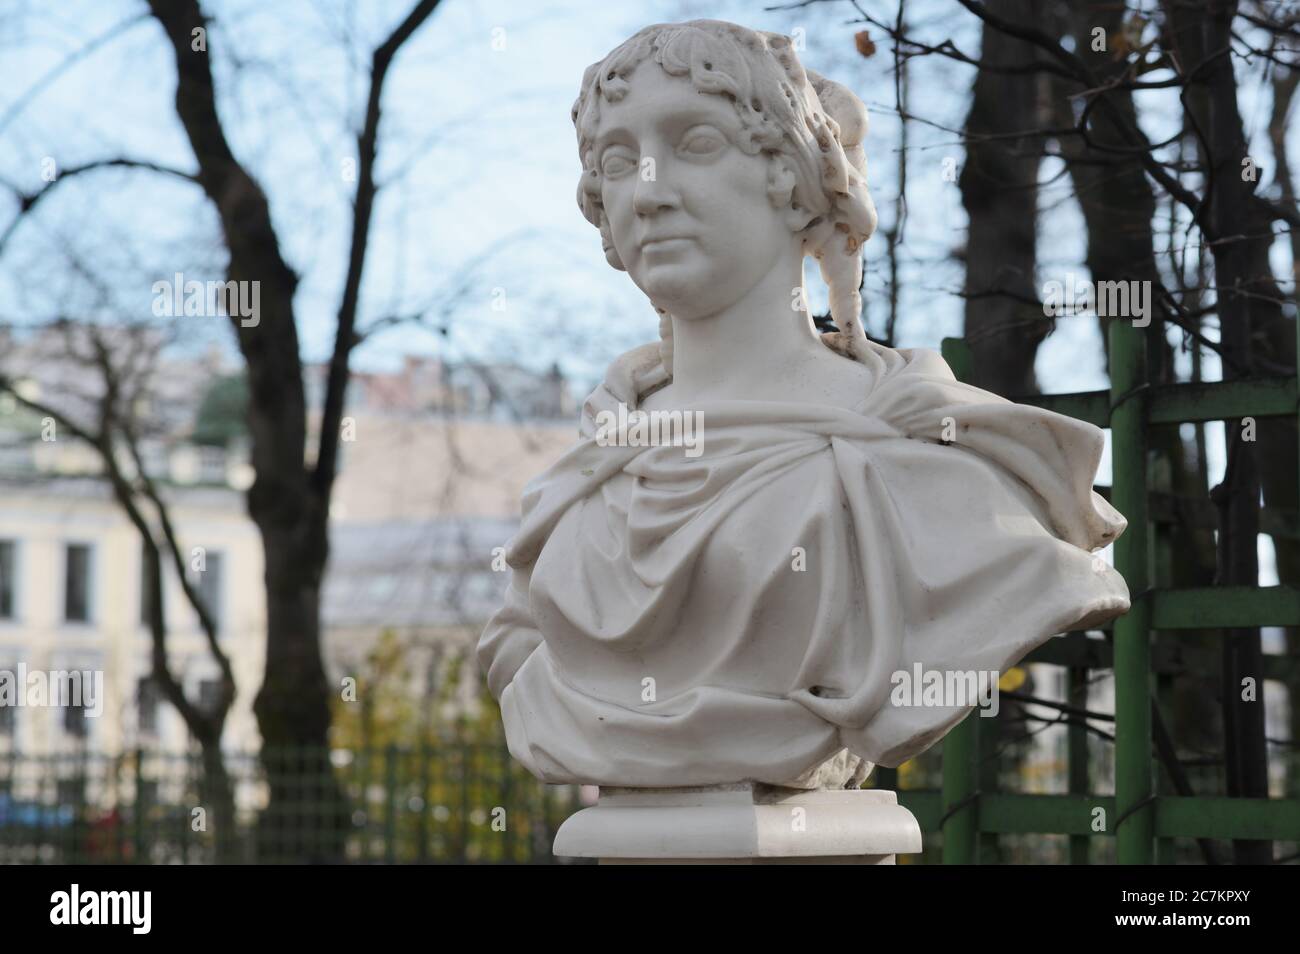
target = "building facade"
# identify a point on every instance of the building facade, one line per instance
(432, 465)
(72, 600)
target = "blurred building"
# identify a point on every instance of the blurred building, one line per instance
(433, 463)
(71, 563)
(429, 585)
(432, 467)
(430, 386)
(71, 598)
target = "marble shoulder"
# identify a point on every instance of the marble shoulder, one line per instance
(627, 376)
(919, 361)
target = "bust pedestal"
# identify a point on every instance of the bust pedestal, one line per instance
(746, 823)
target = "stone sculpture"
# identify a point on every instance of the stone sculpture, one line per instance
(738, 604)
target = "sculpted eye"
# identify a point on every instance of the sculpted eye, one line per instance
(703, 141)
(616, 162)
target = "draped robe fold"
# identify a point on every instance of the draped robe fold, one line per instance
(740, 615)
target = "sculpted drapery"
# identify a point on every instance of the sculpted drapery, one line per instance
(770, 587)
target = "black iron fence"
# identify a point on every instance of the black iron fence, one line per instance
(458, 801)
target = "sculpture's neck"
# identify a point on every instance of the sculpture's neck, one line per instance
(736, 351)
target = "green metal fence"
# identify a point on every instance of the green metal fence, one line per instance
(462, 800)
(1136, 816)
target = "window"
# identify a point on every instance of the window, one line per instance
(147, 792)
(209, 696)
(146, 583)
(146, 700)
(210, 585)
(8, 579)
(76, 583)
(74, 721)
(72, 792)
(212, 465)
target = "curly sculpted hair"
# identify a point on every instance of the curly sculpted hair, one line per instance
(787, 113)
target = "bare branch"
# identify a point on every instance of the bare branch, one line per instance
(27, 95)
(28, 200)
(345, 337)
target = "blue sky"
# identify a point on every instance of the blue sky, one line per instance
(478, 146)
(479, 162)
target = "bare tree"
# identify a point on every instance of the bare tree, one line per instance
(1098, 59)
(289, 499)
(120, 363)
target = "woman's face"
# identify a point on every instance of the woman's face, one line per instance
(688, 209)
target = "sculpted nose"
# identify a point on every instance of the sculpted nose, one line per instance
(653, 193)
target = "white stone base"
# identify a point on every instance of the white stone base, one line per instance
(740, 824)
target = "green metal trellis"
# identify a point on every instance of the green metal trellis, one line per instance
(1135, 815)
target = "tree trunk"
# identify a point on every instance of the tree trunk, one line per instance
(1004, 323)
(1280, 467)
(306, 818)
(1118, 206)
(1247, 301)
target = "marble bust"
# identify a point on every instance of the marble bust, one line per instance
(739, 614)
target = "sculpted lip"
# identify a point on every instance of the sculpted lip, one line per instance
(663, 239)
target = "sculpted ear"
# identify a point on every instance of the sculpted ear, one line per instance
(781, 181)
